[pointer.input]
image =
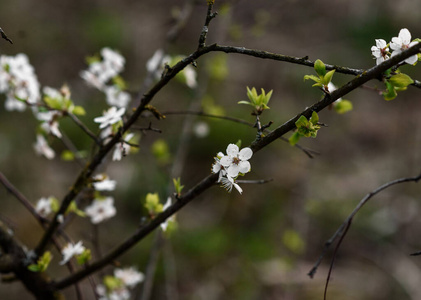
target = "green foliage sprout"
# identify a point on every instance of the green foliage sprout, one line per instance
(259, 102)
(305, 128)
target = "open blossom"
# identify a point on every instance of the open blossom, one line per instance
(41, 148)
(111, 116)
(101, 210)
(164, 225)
(103, 183)
(122, 149)
(50, 124)
(121, 293)
(228, 183)
(116, 97)
(71, 250)
(129, 276)
(236, 161)
(380, 51)
(401, 43)
(18, 81)
(43, 207)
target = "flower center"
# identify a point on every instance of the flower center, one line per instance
(236, 160)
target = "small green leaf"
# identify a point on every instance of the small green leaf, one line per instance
(67, 155)
(152, 204)
(293, 241)
(328, 77)
(79, 110)
(320, 68)
(245, 102)
(84, 257)
(301, 122)
(400, 80)
(343, 106)
(33, 268)
(294, 138)
(161, 151)
(177, 185)
(312, 77)
(314, 118)
(390, 93)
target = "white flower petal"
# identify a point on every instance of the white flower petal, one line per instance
(244, 167)
(405, 36)
(245, 154)
(233, 171)
(232, 150)
(226, 161)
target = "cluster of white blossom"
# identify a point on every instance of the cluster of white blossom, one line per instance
(156, 66)
(398, 44)
(100, 72)
(18, 81)
(232, 165)
(71, 250)
(102, 208)
(127, 278)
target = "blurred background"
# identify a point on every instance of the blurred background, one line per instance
(261, 244)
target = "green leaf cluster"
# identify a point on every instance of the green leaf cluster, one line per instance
(161, 151)
(177, 185)
(259, 102)
(152, 204)
(42, 263)
(305, 128)
(63, 102)
(84, 257)
(323, 77)
(396, 83)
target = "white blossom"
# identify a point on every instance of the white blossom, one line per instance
(111, 116)
(403, 42)
(129, 276)
(71, 250)
(103, 183)
(18, 81)
(190, 74)
(122, 149)
(50, 124)
(380, 51)
(116, 97)
(113, 59)
(164, 225)
(228, 182)
(236, 161)
(217, 167)
(155, 62)
(43, 207)
(101, 210)
(41, 147)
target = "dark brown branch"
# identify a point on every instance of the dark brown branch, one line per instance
(22, 199)
(83, 127)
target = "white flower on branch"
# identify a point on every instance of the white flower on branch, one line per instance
(111, 116)
(228, 183)
(116, 97)
(123, 148)
(129, 276)
(403, 42)
(41, 148)
(116, 294)
(18, 81)
(43, 207)
(103, 183)
(164, 225)
(380, 51)
(236, 162)
(50, 124)
(101, 210)
(71, 250)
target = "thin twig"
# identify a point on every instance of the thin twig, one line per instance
(261, 181)
(342, 230)
(3, 35)
(83, 127)
(307, 151)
